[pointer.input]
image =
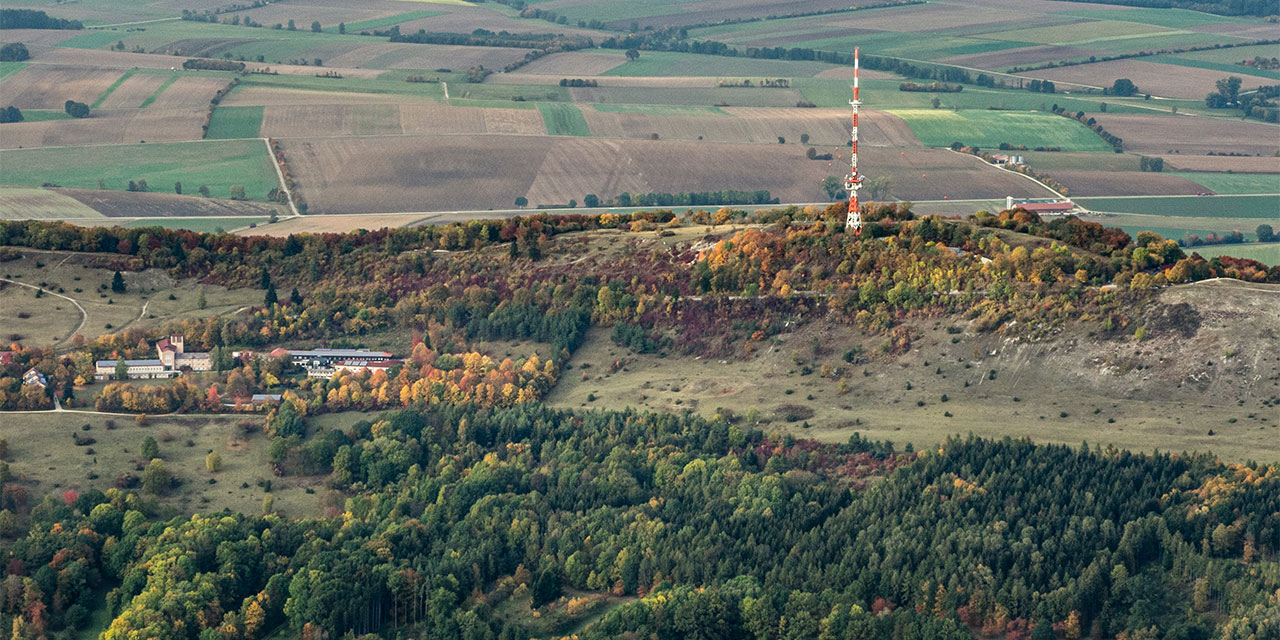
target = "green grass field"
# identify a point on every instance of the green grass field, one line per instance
(1224, 67)
(41, 115)
(203, 225)
(563, 119)
(9, 68)
(939, 128)
(379, 23)
(663, 63)
(1237, 183)
(1267, 253)
(217, 164)
(1229, 206)
(235, 122)
(1172, 18)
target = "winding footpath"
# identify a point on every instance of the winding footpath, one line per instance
(84, 315)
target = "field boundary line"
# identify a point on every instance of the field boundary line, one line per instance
(275, 162)
(1051, 189)
(84, 315)
(124, 24)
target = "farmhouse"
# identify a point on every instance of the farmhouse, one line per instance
(1042, 207)
(172, 359)
(33, 377)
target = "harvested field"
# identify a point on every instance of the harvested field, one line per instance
(692, 96)
(383, 119)
(522, 78)
(1021, 56)
(666, 63)
(189, 92)
(1151, 77)
(575, 64)
(41, 204)
(133, 91)
(846, 73)
(115, 204)
(106, 127)
(447, 173)
(394, 55)
(1236, 164)
(39, 38)
(276, 96)
(1158, 134)
(827, 126)
(49, 87)
(1124, 183)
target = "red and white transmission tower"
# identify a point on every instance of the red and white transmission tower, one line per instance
(853, 181)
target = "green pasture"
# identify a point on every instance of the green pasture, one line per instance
(1232, 55)
(1081, 33)
(696, 96)
(379, 23)
(235, 122)
(508, 92)
(563, 119)
(939, 128)
(216, 164)
(245, 43)
(203, 225)
(42, 115)
(1226, 68)
(1256, 207)
(1267, 253)
(1172, 18)
(9, 68)
(665, 63)
(1237, 183)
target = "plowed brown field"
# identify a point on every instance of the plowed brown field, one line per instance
(1191, 135)
(49, 87)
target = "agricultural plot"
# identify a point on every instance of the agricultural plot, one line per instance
(1222, 164)
(939, 128)
(117, 204)
(136, 90)
(663, 63)
(1257, 207)
(1238, 183)
(576, 64)
(381, 118)
(189, 91)
(235, 122)
(618, 14)
(691, 96)
(563, 119)
(1100, 182)
(1158, 134)
(41, 204)
(219, 165)
(1156, 78)
(131, 126)
(49, 87)
(202, 225)
(445, 173)
(1267, 253)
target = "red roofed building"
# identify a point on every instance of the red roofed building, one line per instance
(1043, 207)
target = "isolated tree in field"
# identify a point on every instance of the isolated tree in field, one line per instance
(936, 102)
(633, 54)
(315, 26)
(117, 283)
(177, 188)
(14, 52)
(522, 201)
(804, 138)
(834, 187)
(76, 109)
(591, 200)
(155, 479)
(150, 449)
(879, 187)
(342, 27)
(292, 27)
(213, 462)
(200, 301)
(1266, 233)
(203, 190)
(10, 114)
(1123, 87)
(237, 192)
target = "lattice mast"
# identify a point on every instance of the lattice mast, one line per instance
(853, 181)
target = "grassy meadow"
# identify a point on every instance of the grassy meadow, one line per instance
(987, 129)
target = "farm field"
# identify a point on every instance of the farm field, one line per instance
(1177, 227)
(563, 119)
(461, 172)
(1124, 183)
(1267, 253)
(235, 122)
(41, 204)
(49, 87)
(218, 165)
(668, 63)
(1228, 206)
(124, 204)
(1158, 78)
(1238, 183)
(1169, 134)
(1222, 164)
(939, 128)
(127, 126)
